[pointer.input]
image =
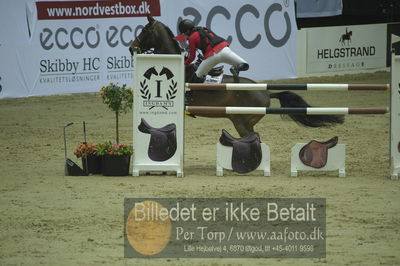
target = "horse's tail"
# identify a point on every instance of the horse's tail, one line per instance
(290, 99)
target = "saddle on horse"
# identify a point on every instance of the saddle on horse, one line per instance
(246, 153)
(216, 71)
(162, 145)
(315, 153)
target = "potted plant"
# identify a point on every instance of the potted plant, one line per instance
(90, 160)
(119, 100)
(115, 158)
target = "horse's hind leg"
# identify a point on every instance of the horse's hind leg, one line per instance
(244, 124)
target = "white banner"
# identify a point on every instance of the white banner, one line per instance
(55, 47)
(332, 49)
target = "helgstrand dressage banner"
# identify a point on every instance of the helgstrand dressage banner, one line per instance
(69, 46)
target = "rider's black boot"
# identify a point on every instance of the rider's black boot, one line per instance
(243, 67)
(240, 67)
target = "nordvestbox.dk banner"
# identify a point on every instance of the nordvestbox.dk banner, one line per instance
(56, 47)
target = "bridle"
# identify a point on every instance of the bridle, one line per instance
(139, 48)
(141, 42)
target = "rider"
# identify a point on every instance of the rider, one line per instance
(214, 48)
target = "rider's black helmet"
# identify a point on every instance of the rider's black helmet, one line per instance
(186, 25)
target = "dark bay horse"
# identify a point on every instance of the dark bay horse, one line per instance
(155, 35)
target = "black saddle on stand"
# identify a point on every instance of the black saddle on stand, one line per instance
(162, 145)
(246, 153)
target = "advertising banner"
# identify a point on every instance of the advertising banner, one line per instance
(333, 49)
(55, 47)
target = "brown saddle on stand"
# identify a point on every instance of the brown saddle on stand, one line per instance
(162, 145)
(315, 153)
(246, 153)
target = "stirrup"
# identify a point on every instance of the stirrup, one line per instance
(235, 74)
(234, 71)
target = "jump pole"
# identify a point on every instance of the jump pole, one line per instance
(395, 111)
(299, 87)
(220, 110)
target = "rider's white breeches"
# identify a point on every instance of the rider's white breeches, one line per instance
(226, 55)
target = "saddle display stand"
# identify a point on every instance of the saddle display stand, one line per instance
(334, 159)
(230, 151)
(158, 117)
(224, 155)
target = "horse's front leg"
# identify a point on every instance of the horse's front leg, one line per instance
(244, 124)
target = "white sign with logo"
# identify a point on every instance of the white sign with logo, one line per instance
(158, 117)
(332, 49)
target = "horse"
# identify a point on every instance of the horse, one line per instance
(346, 36)
(158, 37)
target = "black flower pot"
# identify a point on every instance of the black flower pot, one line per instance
(115, 165)
(93, 164)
